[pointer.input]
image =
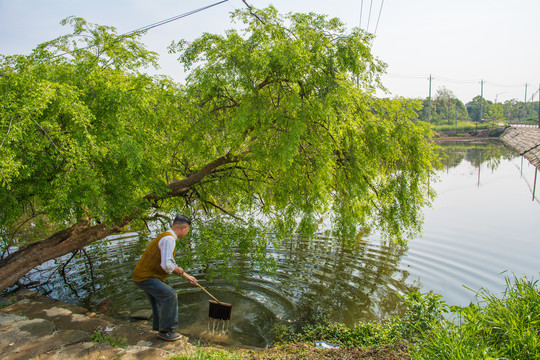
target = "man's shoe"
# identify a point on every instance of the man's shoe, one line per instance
(169, 335)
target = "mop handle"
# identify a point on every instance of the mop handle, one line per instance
(203, 289)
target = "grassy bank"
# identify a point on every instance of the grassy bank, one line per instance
(504, 326)
(462, 126)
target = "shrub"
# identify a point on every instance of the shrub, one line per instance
(422, 311)
(507, 327)
(462, 126)
(322, 329)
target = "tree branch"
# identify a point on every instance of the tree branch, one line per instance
(81, 234)
(48, 137)
(17, 264)
(252, 13)
(223, 210)
(181, 186)
(9, 128)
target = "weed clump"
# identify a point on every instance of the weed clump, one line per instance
(115, 341)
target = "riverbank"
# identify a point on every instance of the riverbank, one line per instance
(33, 326)
(468, 134)
(525, 140)
(36, 327)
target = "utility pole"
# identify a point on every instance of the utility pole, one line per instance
(455, 114)
(429, 99)
(481, 100)
(525, 103)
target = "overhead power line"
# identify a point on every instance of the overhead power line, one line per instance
(159, 23)
(405, 76)
(361, 10)
(174, 18)
(369, 17)
(508, 86)
(457, 81)
(450, 80)
(378, 18)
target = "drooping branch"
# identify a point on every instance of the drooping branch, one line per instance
(63, 273)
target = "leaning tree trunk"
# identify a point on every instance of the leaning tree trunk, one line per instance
(16, 265)
(63, 242)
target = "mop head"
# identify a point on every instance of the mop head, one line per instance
(221, 311)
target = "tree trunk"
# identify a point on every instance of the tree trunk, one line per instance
(16, 265)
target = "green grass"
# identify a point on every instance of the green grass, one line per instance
(209, 354)
(492, 327)
(115, 341)
(462, 126)
(423, 310)
(361, 335)
(506, 327)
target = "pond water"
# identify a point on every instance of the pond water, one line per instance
(482, 228)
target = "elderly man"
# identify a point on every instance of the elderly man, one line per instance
(156, 263)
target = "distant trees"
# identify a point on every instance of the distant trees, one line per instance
(518, 111)
(477, 108)
(494, 113)
(447, 109)
(510, 111)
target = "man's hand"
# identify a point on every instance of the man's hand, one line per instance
(190, 278)
(180, 272)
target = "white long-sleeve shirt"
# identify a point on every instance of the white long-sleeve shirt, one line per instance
(166, 246)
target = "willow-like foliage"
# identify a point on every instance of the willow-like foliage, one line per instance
(293, 97)
(277, 127)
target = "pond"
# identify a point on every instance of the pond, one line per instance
(482, 228)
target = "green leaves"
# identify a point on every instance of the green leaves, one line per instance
(86, 135)
(80, 134)
(281, 91)
(213, 242)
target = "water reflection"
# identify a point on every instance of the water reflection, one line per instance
(489, 153)
(313, 276)
(483, 225)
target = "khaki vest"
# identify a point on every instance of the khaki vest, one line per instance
(149, 265)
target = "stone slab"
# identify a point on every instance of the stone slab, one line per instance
(526, 141)
(144, 314)
(4, 301)
(37, 327)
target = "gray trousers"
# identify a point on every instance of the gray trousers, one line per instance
(164, 303)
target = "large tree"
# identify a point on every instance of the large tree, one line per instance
(478, 108)
(445, 108)
(279, 117)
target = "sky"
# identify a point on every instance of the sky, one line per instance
(458, 43)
